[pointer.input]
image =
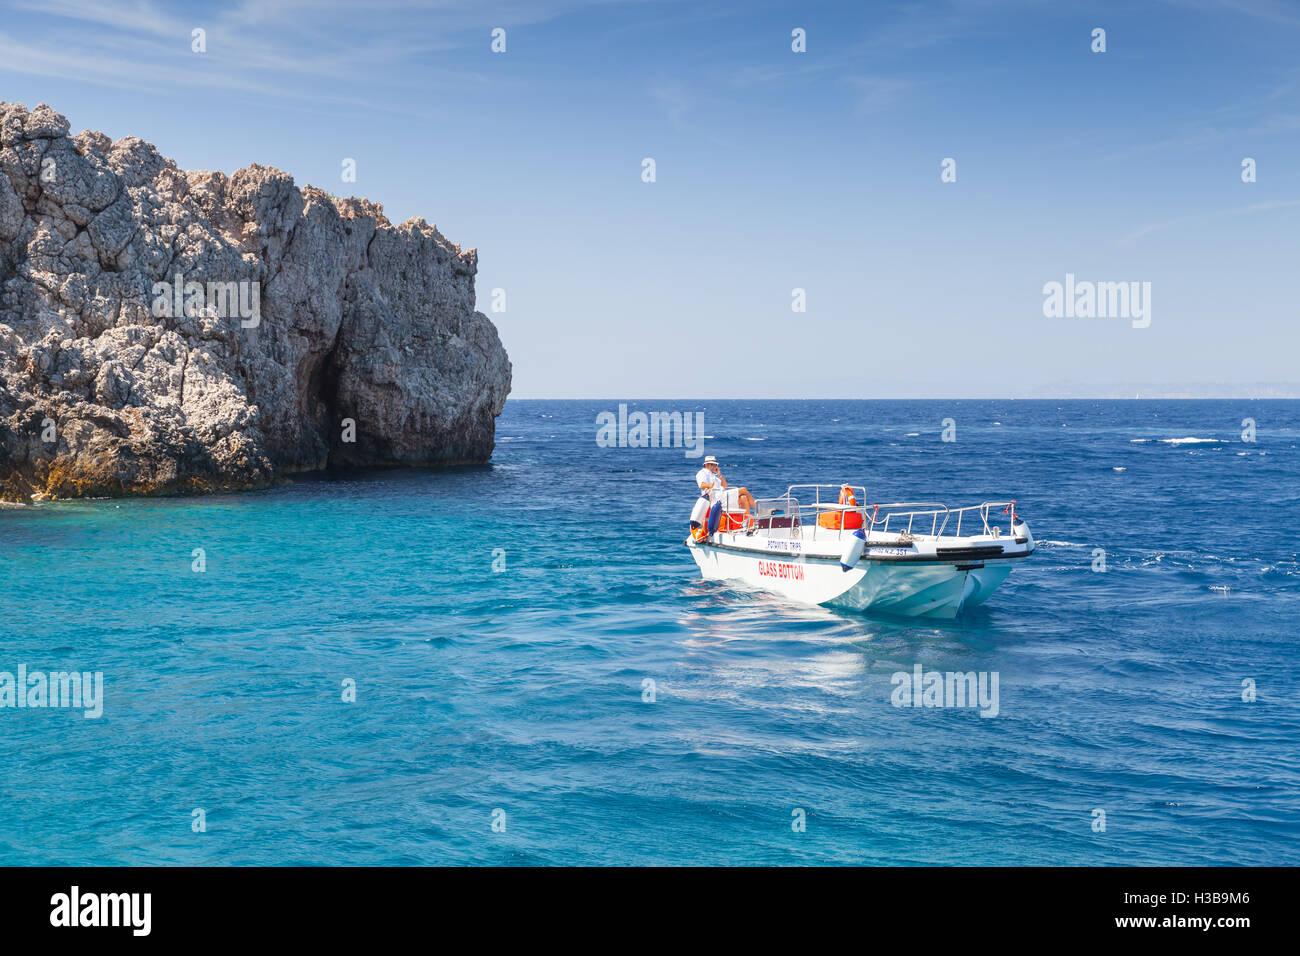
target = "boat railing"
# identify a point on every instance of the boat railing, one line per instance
(804, 504)
(882, 516)
(1008, 509)
(942, 518)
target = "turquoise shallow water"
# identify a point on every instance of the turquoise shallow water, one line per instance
(522, 690)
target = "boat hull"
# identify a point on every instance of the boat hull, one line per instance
(908, 588)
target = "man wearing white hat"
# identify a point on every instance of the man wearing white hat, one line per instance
(710, 479)
(713, 487)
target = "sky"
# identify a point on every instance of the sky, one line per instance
(774, 170)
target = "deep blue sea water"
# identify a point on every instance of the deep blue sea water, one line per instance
(521, 690)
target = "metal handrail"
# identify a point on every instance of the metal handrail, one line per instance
(877, 517)
(895, 509)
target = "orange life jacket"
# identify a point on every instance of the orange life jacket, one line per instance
(835, 520)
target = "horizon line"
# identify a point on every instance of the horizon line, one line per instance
(992, 398)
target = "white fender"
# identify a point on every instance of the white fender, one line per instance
(700, 510)
(853, 550)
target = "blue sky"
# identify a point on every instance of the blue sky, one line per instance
(775, 170)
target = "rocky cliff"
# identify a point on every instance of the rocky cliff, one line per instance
(167, 331)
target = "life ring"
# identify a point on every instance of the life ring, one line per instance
(847, 520)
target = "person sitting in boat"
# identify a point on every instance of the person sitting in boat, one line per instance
(737, 503)
(710, 479)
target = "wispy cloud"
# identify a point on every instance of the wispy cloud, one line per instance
(1274, 11)
(1264, 206)
(673, 98)
(1253, 208)
(875, 94)
(139, 16)
(323, 50)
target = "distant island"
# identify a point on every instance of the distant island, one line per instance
(165, 331)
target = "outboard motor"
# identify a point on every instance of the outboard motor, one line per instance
(853, 550)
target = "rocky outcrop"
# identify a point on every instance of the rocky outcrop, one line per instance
(166, 331)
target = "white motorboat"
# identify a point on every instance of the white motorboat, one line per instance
(905, 558)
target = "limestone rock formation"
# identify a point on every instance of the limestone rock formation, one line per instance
(166, 331)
